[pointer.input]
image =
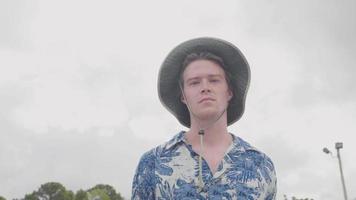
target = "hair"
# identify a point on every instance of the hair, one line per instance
(204, 56)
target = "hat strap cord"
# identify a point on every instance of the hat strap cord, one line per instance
(201, 182)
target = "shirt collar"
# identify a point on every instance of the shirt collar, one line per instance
(178, 138)
(239, 144)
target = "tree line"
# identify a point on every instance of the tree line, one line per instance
(295, 198)
(56, 191)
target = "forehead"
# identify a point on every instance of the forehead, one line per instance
(201, 68)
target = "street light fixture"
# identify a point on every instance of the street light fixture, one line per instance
(338, 146)
(327, 151)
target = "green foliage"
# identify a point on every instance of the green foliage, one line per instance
(31, 196)
(50, 191)
(81, 195)
(109, 190)
(56, 191)
(2, 198)
(295, 198)
(98, 194)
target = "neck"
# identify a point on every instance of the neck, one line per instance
(214, 134)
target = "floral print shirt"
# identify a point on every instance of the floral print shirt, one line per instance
(170, 171)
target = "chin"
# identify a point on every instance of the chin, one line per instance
(208, 114)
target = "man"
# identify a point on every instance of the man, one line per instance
(203, 82)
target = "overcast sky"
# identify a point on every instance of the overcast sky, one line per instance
(78, 91)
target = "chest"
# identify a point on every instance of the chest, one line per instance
(231, 180)
(214, 157)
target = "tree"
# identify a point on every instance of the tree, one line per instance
(56, 191)
(51, 191)
(98, 194)
(109, 190)
(81, 195)
(295, 198)
(2, 198)
(31, 196)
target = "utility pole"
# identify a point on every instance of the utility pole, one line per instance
(338, 146)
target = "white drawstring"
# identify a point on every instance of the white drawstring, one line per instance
(201, 182)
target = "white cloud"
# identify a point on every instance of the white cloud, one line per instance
(58, 94)
(150, 127)
(81, 67)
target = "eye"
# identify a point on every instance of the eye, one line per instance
(194, 83)
(214, 80)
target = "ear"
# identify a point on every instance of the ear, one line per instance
(182, 99)
(230, 94)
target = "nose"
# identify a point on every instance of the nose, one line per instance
(205, 87)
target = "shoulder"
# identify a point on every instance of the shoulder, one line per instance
(250, 150)
(264, 166)
(254, 156)
(157, 159)
(168, 148)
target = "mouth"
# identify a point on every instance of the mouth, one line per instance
(206, 99)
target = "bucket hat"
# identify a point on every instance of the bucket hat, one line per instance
(235, 64)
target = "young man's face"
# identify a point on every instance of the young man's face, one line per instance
(205, 89)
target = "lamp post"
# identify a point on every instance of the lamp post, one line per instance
(338, 146)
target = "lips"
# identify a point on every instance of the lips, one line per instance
(206, 99)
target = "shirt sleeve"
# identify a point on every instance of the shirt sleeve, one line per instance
(144, 181)
(272, 185)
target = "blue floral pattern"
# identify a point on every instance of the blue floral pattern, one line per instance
(170, 171)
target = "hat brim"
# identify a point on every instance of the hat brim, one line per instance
(235, 63)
